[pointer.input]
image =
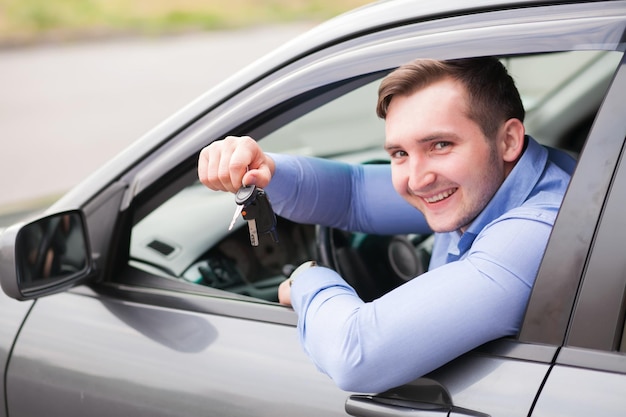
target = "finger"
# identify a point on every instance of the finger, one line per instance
(259, 167)
(284, 293)
(260, 176)
(210, 161)
(244, 154)
(203, 164)
(223, 164)
(207, 166)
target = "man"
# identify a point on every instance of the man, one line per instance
(459, 154)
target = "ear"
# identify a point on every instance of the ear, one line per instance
(512, 142)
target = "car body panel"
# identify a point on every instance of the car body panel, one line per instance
(12, 314)
(191, 363)
(172, 363)
(575, 393)
(495, 386)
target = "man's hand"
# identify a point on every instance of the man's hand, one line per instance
(226, 165)
(284, 292)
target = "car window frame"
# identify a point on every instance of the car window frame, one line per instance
(563, 266)
(179, 155)
(382, 51)
(596, 336)
(294, 112)
(598, 317)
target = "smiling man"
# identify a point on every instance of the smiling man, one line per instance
(443, 162)
(460, 156)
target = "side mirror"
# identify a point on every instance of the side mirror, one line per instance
(46, 256)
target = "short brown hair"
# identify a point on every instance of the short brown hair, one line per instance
(492, 95)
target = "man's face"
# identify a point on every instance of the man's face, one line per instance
(441, 161)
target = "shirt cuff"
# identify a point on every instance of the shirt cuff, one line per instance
(311, 282)
(286, 169)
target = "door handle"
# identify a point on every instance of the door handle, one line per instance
(424, 397)
(372, 406)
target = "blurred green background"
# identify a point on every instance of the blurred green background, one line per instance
(34, 20)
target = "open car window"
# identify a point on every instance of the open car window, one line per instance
(187, 237)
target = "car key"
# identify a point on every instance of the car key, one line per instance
(238, 211)
(255, 207)
(241, 199)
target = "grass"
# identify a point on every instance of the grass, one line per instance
(32, 20)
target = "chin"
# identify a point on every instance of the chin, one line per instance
(440, 227)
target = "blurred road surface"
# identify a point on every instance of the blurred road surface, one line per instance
(65, 109)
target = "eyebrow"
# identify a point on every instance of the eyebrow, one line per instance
(437, 136)
(390, 147)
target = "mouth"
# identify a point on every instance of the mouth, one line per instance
(440, 197)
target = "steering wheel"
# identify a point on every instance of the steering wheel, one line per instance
(373, 264)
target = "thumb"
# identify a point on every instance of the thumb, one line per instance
(260, 176)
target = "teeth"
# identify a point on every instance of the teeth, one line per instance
(440, 196)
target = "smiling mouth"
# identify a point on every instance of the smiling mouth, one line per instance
(441, 196)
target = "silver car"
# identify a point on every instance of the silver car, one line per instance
(136, 299)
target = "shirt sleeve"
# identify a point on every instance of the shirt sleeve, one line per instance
(430, 320)
(358, 198)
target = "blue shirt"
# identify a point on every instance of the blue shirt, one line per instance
(476, 289)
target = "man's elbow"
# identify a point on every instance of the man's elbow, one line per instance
(355, 379)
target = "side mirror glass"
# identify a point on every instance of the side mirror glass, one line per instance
(45, 256)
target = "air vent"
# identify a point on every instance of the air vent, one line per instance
(161, 247)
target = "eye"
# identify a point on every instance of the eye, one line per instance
(398, 154)
(441, 145)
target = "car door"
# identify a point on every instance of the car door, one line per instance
(146, 339)
(12, 314)
(589, 377)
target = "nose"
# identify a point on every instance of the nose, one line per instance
(420, 175)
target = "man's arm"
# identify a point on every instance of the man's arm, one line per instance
(346, 196)
(310, 190)
(430, 320)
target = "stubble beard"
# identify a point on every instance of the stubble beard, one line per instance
(469, 210)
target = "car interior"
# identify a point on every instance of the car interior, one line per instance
(186, 238)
